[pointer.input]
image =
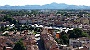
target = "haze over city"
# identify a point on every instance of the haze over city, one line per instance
(43, 2)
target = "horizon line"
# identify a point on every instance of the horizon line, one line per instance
(41, 5)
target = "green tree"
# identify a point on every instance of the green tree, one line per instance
(71, 34)
(2, 28)
(76, 33)
(19, 46)
(4, 48)
(64, 39)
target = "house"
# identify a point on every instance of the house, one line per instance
(8, 48)
(49, 41)
(82, 48)
(4, 23)
(84, 41)
(57, 34)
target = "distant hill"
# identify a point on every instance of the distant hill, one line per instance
(46, 6)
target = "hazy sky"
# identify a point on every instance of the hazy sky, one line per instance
(42, 2)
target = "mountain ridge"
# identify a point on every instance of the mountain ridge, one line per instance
(47, 6)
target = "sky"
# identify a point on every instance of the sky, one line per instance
(42, 2)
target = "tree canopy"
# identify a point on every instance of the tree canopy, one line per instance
(19, 46)
(76, 33)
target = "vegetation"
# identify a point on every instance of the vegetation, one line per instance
(64, 39)
(19, 46)
(9, 14)
(4, 48)
(76, 33)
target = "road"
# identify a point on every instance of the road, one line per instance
(40, 44)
